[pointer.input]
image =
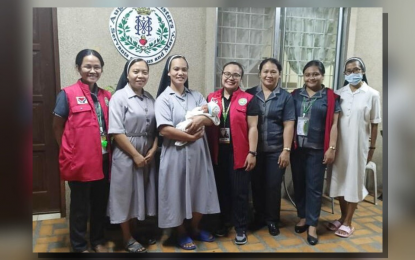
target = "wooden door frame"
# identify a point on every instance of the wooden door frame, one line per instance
(57, 90)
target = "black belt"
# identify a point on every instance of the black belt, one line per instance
(138, 134)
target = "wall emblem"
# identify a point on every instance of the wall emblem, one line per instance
(145, 32)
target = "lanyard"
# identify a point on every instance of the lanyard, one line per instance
(306, 109)
(99, 115)
(225, 113)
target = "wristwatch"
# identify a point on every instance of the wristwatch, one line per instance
(253, 153)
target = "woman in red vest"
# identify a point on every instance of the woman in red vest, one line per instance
(317, 109)
(233, 147)
(80, 125)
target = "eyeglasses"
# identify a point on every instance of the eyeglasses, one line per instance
(228, 75)
(312, 75)
(355, 70)
(88, 68)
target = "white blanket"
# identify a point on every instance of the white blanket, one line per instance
(213, 111)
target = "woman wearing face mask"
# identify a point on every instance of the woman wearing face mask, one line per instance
(359, 121)
(187, 188)
(132, 124)
(317, 110)
(276, 129)
(233, 146)
(80, 125)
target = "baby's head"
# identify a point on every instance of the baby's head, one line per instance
(213, 108)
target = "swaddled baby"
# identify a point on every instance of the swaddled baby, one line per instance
(211, 110)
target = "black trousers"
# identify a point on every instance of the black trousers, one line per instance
(308, 179)
(88, 200)
(266, 187)
(233, 191)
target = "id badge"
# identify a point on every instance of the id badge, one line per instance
(302, 126)
(224, 135)
(104, 144)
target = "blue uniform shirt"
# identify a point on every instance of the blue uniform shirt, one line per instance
(278, 108)
(316, 114)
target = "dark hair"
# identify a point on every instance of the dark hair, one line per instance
(362, 66)
(234, 63)
(122, 82)
(272, 60)
(165, 78)
(86, 52)
(316, 63)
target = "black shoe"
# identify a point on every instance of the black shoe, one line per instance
(151, 241)
(240, 238)
(273, 229)
(222, 232)
(312, 240)
(300, 229)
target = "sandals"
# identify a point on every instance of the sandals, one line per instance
(133, 246)
(334, 225)
(204, 236)
(347, 229)
(183, 240)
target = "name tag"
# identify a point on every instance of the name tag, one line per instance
(224, 135)
(302, 126)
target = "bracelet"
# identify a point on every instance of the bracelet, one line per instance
(253, 153)
(372, 147)
(287, 149)
(333, 148)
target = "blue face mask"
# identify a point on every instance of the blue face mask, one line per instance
(354, 78)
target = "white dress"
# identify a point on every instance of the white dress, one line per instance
(359, 110)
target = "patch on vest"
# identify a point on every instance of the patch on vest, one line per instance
(81, 100)
(214, 100)
(106, 101)
(242, 101)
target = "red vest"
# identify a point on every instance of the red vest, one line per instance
(238, 125)
(80, 156)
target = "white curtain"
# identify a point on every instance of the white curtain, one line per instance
(310, 34)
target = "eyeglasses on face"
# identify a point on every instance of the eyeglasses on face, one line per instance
(355, 70)
(234, 75)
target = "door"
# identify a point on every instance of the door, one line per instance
(46, 180)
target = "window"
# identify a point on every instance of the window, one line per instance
(245, 35)
(308, 34)
(292, 35)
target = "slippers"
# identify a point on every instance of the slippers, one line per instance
(133, 246)
(334, 225)
(183, 240)
(204, 236)
(348, 230)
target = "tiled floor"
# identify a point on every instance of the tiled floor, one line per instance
(53, 235)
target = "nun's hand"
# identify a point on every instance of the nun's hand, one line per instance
(139, 160)
(197, 135)
(329, 156)
(196, 124)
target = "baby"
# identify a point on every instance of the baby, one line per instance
(211, 110)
